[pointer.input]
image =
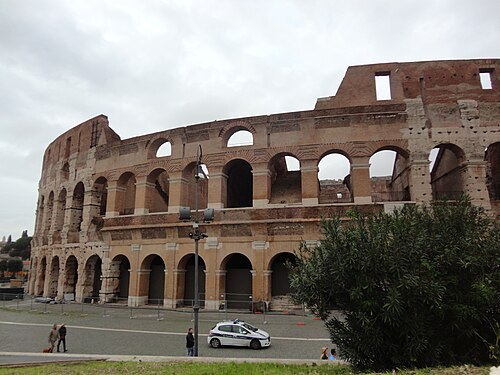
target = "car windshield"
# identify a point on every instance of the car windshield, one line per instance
(250, 327)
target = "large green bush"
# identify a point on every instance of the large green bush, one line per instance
(419, 287)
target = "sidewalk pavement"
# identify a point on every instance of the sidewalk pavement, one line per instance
(17, 359)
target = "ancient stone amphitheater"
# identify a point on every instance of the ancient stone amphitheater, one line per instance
(107, 223)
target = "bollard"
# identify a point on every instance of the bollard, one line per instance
(45, 308)
(264, 307)
(17, 302)
(131, 313)
(225, 310)
(158, 318)
(31, 304)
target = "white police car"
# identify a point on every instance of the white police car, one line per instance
(237, 333)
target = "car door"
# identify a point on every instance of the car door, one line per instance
(227, 335)
(242, 336)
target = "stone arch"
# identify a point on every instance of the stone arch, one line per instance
(53, 277)
(59, 217)
(280, 285)
(286, 185)
(185, 280)
(492, 157)
(92, 278)
(157, 190)
(126, 194)
(334, 180)
(65, 172)
(70, 277)
(390, 182)
(100, 194)
(238, 286)
(239, 184)
(40, 283)
(40, 214)
(234, 127)
(120, 272)
(188, 197)
(447, 174)
(152, 279)
(49, 212)
(76, 213)
(156, 145)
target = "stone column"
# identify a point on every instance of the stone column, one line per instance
(217, 188)
(116, 195)
(475, 182)
(177, 191)
(179, 285)
(420, 180)
(220, 287)
(143, 194)
(110, 281)
(141, 280)
(80, 284)
(267, 283)
(309, 182)
(360, 180)
(261, 185)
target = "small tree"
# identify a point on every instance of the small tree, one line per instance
(3, 267)
(14, 265)
(419, 287)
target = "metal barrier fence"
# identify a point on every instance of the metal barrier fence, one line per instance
(119, 309)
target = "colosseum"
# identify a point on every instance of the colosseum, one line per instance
(107, 222)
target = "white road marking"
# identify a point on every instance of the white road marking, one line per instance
(147, 332)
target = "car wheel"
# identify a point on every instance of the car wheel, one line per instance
(255, 344)
(215, 343)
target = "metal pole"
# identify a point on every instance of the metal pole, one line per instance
(196, 307)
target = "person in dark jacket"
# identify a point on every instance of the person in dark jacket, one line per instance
(62, 337)
(190, 342)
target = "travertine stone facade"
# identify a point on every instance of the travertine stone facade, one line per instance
(107, 225)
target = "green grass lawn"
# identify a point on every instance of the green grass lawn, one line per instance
(186, 368)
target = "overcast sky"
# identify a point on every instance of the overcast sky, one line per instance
(151, 65)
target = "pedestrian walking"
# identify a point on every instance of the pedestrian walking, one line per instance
(333, 355)
(62, 337)
(53, 337)
(190, 343)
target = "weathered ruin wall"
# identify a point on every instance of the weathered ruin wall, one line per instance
(104, 201)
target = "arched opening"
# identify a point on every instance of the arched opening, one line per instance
(492, 157)
(41, 277)
(92, 279)
(158, 195)
(189, 194)
(54, 277)
(49, 212)
(39, 215)
(76, 213)
(334, 178)
(389, 175)
(65, 172)
(280, 283)
(71, 276)
(100, 193)
(59, 219)
(239, 184)
(121, 269)
(126, 197)
(285, 179)
(238, 286)
(447, 172)
(240, 138)
(164, 150)
(156, 280)
(188, 265)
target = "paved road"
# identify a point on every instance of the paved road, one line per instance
(112, 331)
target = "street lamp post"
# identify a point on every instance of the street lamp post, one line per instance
(196, 235)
